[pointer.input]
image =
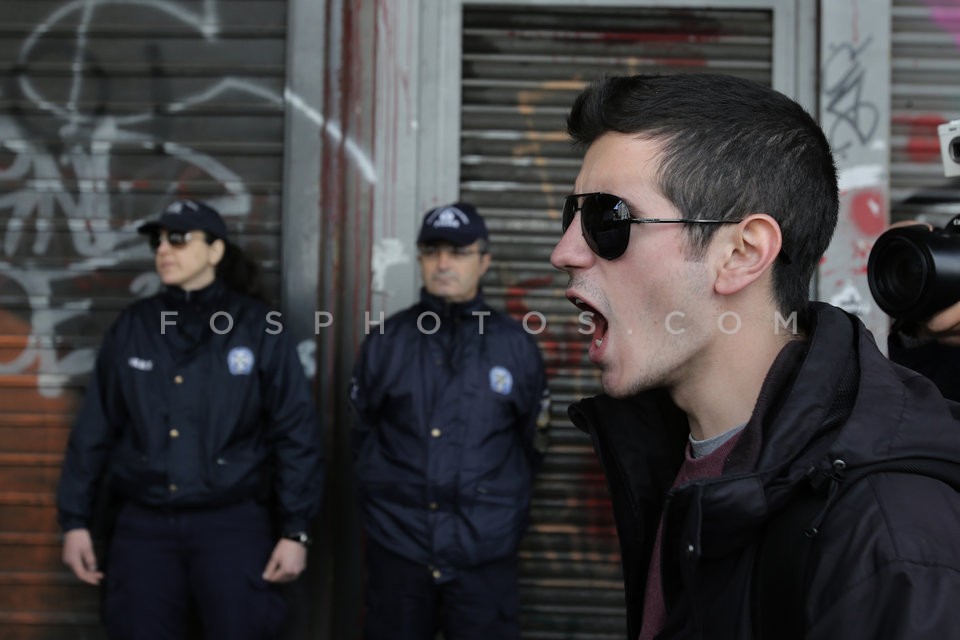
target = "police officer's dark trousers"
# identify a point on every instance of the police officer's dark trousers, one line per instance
(165, 565)
(404, 601)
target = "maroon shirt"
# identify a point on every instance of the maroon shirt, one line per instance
(709, 466)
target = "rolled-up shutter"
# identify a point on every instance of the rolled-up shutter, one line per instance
(522, 67)
(108, 111)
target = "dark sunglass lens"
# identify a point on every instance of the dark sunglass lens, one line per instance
(154, 241)
(176, 238)
(605, 225)
(612, 243)
(589, 211)
(569, 211)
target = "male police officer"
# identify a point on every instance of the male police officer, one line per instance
(452, 408)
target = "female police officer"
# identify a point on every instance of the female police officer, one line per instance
(199, 420)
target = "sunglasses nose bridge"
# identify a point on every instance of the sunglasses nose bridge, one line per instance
(573, 251)
(160, 240)
(569, 219)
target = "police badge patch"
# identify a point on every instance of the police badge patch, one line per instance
(240, 361)
(501, 380)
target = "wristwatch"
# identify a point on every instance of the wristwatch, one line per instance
(300, 536)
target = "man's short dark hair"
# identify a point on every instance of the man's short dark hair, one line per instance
(731, 147)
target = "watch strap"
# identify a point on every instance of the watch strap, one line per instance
(300, 536)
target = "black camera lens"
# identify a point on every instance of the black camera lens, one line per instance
(914, 272)
(895, 285)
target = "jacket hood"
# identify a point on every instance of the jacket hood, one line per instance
(848, 402)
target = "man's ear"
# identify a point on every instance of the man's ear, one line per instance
(217, 249)
(749, 249)
(484, 263)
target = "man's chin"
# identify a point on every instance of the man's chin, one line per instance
(441, 291)
(617, 387)
(610, 386)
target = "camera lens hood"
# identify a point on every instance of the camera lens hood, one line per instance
(914, 272)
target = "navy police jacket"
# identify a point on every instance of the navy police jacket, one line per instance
(451, 429)
(182, 411)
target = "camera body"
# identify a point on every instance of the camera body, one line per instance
(949, 133)
(914, 271)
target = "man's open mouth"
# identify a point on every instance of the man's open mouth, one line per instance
(596, 319)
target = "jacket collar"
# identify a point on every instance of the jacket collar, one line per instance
(814, 408)
(204, 297)
(446, 309)
(804, 398)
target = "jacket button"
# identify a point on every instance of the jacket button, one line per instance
(172, 488)
(435, 433)
(436, 574)
(174, 433)
(178, 379)
(433, 506)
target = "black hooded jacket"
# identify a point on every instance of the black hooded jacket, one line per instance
(886, 562)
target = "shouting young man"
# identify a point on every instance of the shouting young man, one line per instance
(772, 473)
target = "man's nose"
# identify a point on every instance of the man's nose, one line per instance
(444, 257)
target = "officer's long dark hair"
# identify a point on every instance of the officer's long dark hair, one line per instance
(238, 271)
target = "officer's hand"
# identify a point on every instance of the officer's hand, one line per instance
(288, 561)
(79, 556)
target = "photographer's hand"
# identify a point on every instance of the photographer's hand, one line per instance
(945, 325)
(910, 223)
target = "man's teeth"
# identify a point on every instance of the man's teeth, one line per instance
(579, 302)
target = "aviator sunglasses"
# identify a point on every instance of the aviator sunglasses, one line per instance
(605, 221)
(176, 239)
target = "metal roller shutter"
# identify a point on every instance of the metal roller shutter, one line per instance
(522, 67)
(926, 93)
(108, 111)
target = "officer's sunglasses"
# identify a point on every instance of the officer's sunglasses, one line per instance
(434, 251)
(605, 222)
(175, 239)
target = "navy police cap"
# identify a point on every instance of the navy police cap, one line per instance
(458, 224)
(188, 215)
